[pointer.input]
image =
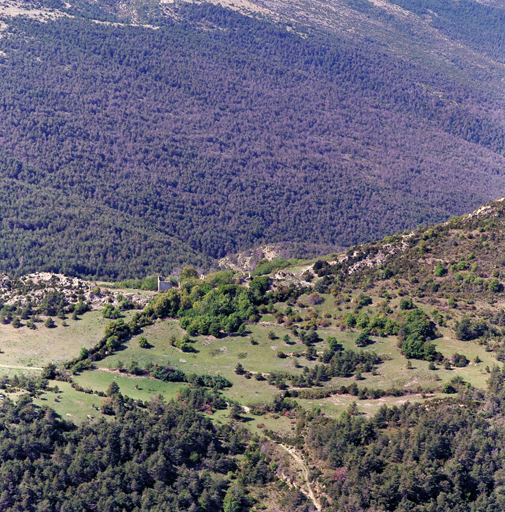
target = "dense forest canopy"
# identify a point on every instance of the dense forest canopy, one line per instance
(129, 149)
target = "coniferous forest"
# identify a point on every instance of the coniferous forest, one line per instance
(134, 149)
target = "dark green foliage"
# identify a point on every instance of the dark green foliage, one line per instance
(363, 300)
(339, 364)
(363, 339)
(49, 323)
(255, 469)
(440, 270)
(495, 286)
(52, 303)
(49, 371)
(333, 344)
(109, 311)
(459, 360)
(144, 460)
(143, 343)
(431, 457)
(406, 303)
(468, 329)
(169, 374)
(479, 24)
(448, 388)
(259, 286)
(415, 331)
(416, 348)
(417, 323)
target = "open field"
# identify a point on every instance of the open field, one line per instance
(24, 347)
(138, 388)
(71, 405)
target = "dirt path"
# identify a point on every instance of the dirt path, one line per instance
(305, 471)
(20, 367)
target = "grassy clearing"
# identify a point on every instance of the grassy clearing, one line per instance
(24, 347)
(138, 388)
(71, 404)
(280, 424)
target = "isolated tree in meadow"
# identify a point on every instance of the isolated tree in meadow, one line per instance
(49, 323)
(143, 343)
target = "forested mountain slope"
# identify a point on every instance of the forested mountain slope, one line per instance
(209, 131)
(384, 390)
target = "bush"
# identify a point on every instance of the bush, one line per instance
(314, 299)
(363, 339)
(363, 300)
(49, 323)
(406, 304)
(467, 330)
(110, 312)
(414, 347)
(459, 360)
(448, 388)
(143, 343)
(494, 286)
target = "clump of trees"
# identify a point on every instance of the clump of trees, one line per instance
(414, 334)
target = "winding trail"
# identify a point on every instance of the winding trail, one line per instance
(305, 470)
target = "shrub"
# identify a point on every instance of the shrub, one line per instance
(448, 388)
(363, 339)
(143, 343)
(406, 304)
(440, 270)
(110, 312)
(494, 286)
(459, 360)
(363, 300)
(314, 299)
(467, 330)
